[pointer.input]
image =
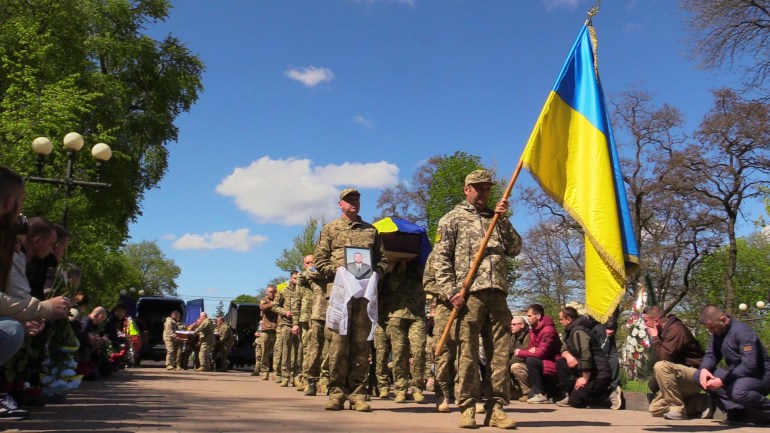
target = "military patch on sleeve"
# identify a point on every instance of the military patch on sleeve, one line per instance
(748, 348)
(439, 235)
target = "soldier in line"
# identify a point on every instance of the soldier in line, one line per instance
(266, 336)
(459, 237)
(404, 305)
(224, 345)
(300, 317)
(289, 341)
(445, 362)
(349, 354)
(205, 329)
(379, 371)
(173, 345)
(317, 345)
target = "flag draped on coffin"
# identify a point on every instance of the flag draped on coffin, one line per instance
(390, 225)
(572, 155)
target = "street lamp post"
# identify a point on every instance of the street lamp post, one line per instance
(758, 315)
(73, 142)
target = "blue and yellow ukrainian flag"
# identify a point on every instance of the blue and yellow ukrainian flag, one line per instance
(572, 155)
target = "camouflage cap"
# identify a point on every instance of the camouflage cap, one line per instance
(478, 176)
(348, 191)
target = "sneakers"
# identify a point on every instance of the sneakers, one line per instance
(360, 406)
(10, 410)
(538, 399)
(400, 397)
(563, 402)
(418, 396)
(616, 398)
(675, 415)
(310, 390)
(468, 418)
(443, 406)
(500, 419)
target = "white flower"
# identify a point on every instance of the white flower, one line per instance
(642, 333)
(59, 385)
(635, 332)
(68, 373)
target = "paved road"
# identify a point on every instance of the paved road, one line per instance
(150, 399)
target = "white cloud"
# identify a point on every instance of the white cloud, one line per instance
(310, 76)
(239, 240)
(168, 237)
(363, 121)
(289, 191)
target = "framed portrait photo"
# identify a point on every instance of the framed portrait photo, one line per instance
(359, 262)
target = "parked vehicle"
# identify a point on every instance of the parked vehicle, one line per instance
(151, 311)
(244, 319)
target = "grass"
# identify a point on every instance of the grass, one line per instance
(636, 386)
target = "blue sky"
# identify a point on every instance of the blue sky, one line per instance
(305, 98)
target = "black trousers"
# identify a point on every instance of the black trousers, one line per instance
(595, 391)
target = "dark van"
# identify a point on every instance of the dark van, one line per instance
(244, 319)
(151, 311)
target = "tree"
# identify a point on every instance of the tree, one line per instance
(724, 31)
(303, 244)
(84, 65)
(729, 164)
(752, 272)
(220, 309)
(673, 233)
(435, 188)
(249, 299)
(157, 272)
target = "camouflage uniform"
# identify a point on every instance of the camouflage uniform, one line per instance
(301, 307)
(348, 354)
(289, 342)
(460, 233)
(316, 346)
(173, 345)
(445, 361)
(224, 345)
(404, 303)
(381, 356)
(267, 336)
(518, 369)
(206, 331)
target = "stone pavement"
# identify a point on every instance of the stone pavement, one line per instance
(151, 399)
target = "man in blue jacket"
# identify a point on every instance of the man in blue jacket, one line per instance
(740, 389)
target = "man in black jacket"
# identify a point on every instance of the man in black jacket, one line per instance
(583, 369)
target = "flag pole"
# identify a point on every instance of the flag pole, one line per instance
(477, 260)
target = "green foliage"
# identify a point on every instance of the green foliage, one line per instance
(302, 245)
(248, 299)
(84, 65)
(220, 309)
(157, 272)
(752, 274)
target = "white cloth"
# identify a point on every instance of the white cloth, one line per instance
(347, 287)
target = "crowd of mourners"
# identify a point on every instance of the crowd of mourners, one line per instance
(324, 334)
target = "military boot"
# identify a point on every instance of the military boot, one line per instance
(299, 384)
(266, 376)
(284, 383)
(418, 396)
(278, 378)
(310, 390)
(468, 418)
(400, 397)
(384, 392)
(498, 418)
(333, 404)
(255, 373)
(442, 405)
(323, 388)
(360, 406)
